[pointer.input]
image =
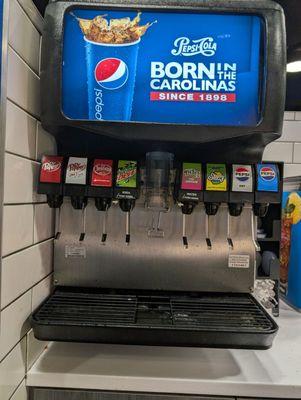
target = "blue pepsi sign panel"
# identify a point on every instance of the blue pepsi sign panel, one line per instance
(267, 178)
(161, 67)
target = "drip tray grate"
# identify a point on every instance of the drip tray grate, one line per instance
(152, 318)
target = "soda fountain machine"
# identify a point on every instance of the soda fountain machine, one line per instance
(166, 214)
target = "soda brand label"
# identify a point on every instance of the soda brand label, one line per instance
(242, 178)
(76, 173)
(191, 176)
(216, 177)
(51, 170)
(102, 173)
(267, 178)
(126, 174)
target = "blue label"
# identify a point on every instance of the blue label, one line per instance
(161, 67)
(267, 178)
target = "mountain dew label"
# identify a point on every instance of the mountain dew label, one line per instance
(126, 174)
(191, 176)
(216, 177)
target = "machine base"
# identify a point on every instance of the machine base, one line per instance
(154, 318)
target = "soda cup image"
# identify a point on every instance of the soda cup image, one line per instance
(111, 70)
(112, 47)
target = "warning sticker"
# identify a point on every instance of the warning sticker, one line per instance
(75, 251)
(239, 261)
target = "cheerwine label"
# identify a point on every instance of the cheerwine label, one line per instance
(51, 169)
(267, 178)
(242, 178)
(102, 173)
(76, 173)
(126, 174)
(216, 177)
(191, 176)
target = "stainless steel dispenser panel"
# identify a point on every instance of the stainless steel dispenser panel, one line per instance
(155, 261)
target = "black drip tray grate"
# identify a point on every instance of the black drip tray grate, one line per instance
(138, 317)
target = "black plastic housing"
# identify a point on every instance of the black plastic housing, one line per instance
(230, 143)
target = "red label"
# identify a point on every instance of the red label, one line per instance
(51, 170)
(203, 97)
(102, 173)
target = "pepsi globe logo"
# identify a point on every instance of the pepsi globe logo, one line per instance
(242, 174)
(267, 173)
(111, 73)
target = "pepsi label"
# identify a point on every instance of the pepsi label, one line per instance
(242, 178)
(267, 178)
(76, 171)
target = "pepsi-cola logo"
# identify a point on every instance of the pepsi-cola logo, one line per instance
(267, 173)
(51, 166)
(111, 73)
(102, 169)
(242, 174)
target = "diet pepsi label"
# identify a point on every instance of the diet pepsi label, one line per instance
(51, 169)
(102, 173)
(242, 178)
(267, 178)
(76, 173)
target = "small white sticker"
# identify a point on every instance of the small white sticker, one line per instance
(75, 251)
(239, 261)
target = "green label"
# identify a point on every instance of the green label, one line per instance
(216, 178)
(126, 174)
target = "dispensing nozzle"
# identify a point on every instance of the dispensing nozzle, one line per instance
(127, 191)
(189, 192)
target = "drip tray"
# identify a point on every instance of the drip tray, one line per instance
(154, 318)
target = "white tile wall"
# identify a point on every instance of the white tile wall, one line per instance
(288, 147)
(297, 153)
(20, 179)
(45, 143)
(32, 12)
(34, 348)
(27, 243)
(20, 131)
(23, 36)
(21, 392)
(33, 264)
(23, 85)
(14, 323)
(41, 291)
(17, 228)
(12, 370)
(43, 222)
